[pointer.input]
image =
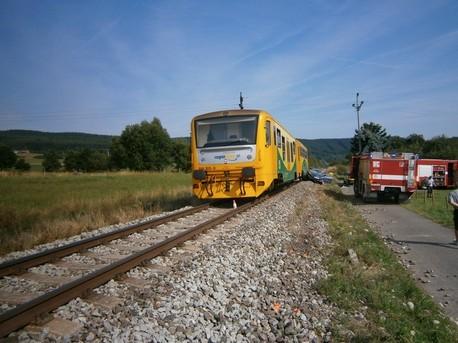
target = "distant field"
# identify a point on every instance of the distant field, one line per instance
(33, 159)
(435, 209)
(35, 208)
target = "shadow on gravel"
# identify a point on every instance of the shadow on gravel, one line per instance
(443, 245)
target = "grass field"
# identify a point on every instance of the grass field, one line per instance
(436, 208)
(37, 208)
(378, 287)
(33, 159)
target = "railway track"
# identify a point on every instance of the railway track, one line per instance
(157, 243)
(20, 265)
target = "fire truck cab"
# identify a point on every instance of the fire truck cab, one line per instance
(379, 175)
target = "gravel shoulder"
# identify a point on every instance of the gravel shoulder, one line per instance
(423, 247)
(251, 279)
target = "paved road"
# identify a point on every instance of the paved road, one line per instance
(424, 247)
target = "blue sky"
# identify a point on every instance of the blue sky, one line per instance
(97, 66)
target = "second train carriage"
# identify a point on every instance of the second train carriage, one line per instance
(242, 153)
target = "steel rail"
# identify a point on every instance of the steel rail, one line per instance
(23, 314)
(21, 264)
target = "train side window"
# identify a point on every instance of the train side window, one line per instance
(268, 134)
(288, 152)
(283, 147)
(279, 138)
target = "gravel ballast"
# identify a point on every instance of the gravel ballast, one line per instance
(251, 279)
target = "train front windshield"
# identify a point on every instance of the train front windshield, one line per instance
(226, 131)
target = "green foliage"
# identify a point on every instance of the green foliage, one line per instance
(441, 147)
(7, 157)
(37, 141)
(51, 162)
(437, 147)
(328, 149)
(373, 138)
(315, 162)
(118, 155)
(86, 160)
(181, 156)
(22, 165)
(144, 146)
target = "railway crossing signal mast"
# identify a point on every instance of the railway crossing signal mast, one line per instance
(357, 106)
(241, 101)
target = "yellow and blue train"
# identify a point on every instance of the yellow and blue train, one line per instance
(242, 154)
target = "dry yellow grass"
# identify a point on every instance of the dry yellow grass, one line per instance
(38, 209)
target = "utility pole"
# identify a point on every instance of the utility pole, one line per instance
(357, 106)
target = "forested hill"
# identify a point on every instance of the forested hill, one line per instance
(37, 141)
(328, 149)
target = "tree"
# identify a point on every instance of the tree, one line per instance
(144, 146)
(441, 147)
(181, 156)
(373, 138)
(51, 161)
(71, 161)
(118, 155)
(7, 157)
(86, 160)
(22, 165)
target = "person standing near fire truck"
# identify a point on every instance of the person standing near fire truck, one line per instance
(453, 200)
(429, 186)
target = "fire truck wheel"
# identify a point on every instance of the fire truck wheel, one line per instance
(396, 198)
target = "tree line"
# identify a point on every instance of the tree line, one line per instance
(141, 147)
(147, 146)
(373, 137)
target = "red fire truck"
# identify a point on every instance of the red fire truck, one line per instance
(442, 171)
(380, 175)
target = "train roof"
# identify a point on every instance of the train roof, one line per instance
(224, 113)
